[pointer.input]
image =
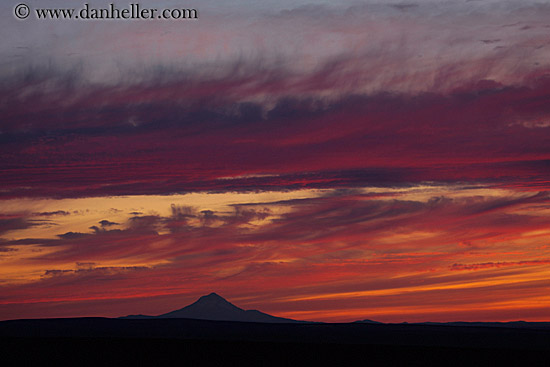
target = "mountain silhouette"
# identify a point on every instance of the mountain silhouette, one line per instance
(216, 308)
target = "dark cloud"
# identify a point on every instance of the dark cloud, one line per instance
(72, 235)
(481, 133)
(106, 223)
(50, 214)
(208, 217)
(354, 219)
(10, 222)
(110, 271)
(490, 41)
(7, 249)
(484, 205)
(243, 215)
(144, 224)
(56, 272)
(404, 6)
(487, 265)
(182, 212)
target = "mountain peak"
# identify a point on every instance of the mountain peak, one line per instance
(213, 296)
(214, 300)
(214, 307)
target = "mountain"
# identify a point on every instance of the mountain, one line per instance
(215, 307)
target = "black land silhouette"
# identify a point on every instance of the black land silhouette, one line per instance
(212, 331)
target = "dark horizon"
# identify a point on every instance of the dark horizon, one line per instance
(243, 341)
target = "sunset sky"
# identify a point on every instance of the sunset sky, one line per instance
(316, 160)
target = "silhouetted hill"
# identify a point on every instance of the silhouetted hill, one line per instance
(354, 333)
(216, 308)
(170, 341)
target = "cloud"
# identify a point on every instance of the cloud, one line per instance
(106, 223)
(387, 246)
(7, 249)
(404, 6)
(103, 272)
(488, 265)
(52, 214)
(20, 221)
(382, 139)
(8, 223)
(414, 102)
(72, 235)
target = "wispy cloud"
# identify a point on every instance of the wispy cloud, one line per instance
(341, 247)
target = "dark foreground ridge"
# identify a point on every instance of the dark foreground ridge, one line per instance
(160, 341)
(213, 331)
